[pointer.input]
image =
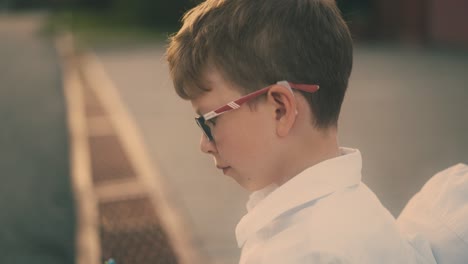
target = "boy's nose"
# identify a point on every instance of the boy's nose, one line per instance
(207, 146)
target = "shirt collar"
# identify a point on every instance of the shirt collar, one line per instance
(317, 181)
(257, 196)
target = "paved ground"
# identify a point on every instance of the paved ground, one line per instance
(36, 207)
(405, 110)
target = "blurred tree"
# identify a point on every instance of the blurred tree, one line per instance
(360, 16)
(95, 4)
(151, 12)
(31, 4)
(140, 12)
(21, 4)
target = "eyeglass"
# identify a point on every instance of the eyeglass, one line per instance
(201, 120)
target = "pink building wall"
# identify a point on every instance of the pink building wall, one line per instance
(448, 22)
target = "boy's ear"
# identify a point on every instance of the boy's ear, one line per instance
(285, 108)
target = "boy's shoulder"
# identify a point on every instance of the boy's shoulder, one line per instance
(342, 215)
(340, 228)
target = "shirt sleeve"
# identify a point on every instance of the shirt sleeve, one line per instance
(314, 257)
(439, 213)
(321, 258)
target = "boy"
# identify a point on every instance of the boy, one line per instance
(267, 79)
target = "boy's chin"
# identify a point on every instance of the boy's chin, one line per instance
(244, 182)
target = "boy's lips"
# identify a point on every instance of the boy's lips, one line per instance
(224, 168)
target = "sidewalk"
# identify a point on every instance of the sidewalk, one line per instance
(405, 110)
(124, 207)
(37, 217)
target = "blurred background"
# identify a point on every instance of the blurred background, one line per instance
(405, 110)
(416, 21)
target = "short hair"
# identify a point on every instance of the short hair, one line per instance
(255, 43)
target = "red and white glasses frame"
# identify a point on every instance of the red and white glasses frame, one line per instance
(201, 120)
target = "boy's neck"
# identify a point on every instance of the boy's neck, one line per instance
(310, 153)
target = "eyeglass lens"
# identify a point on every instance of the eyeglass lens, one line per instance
(206, 129)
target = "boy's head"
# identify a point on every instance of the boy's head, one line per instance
(229, 48)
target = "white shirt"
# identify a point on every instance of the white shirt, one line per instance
(325, 214)
(439, 212)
